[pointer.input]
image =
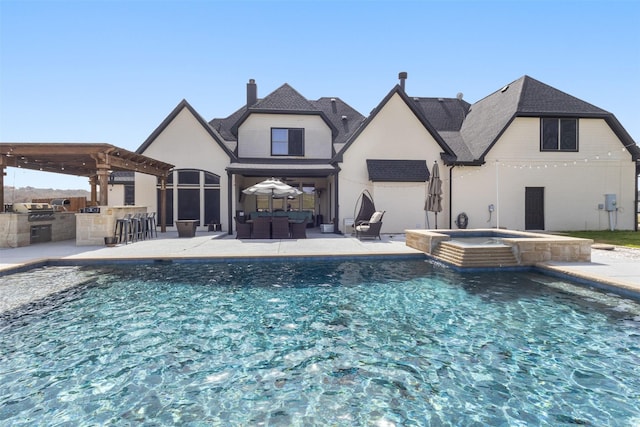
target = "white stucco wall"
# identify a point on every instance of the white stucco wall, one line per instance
(395, 133)
(185, 144)
(574, 183)
(254, 135)
(116, 194)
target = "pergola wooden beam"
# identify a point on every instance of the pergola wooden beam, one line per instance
(95, 161)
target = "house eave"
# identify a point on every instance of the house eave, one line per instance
(246, 114)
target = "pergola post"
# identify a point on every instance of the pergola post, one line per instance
(163, 203)
(2, 175)
(93, 182)
(103, 181)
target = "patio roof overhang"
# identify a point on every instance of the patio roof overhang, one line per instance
(95, 161)
(280, 169)
(79, 159)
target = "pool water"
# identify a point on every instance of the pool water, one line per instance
(318, 343)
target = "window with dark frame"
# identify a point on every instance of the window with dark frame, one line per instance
(287, 142)
(559, 134)
(193, 186)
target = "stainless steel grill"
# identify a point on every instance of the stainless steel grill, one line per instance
(36, 211)
(60, 205)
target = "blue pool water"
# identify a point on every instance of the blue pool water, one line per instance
(318, 343)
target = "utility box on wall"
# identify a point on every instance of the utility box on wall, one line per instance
(610, 202)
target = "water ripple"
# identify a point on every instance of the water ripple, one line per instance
(336, 343)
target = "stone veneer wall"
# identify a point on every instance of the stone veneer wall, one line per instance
(530, 249)
(92, 228)
(533, 251)
(15, 229)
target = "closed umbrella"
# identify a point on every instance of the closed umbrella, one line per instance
(272, 187)
(434, 193)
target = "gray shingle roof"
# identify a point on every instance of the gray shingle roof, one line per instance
(224, 125)
(445, 114)
(488, 118)
(538, 98)
(397, 170)
(284, 98)
(287, 100)
(335, 109)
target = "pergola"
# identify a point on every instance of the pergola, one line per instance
(95, 161)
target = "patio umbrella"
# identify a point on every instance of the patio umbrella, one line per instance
(434, 193)
(274, 188)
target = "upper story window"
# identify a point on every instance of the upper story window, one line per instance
(287, 142)
(559, 135)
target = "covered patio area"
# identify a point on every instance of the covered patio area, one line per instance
(316, 183)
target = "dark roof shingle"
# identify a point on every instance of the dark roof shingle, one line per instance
(397, 170)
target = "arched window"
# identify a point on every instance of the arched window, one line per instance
(192, 194)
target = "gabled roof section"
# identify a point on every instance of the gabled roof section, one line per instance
(397, 170)
(341, 118)
(284, 100)
(540, 99)
(397, 90)
(526, 97)
(182, 105)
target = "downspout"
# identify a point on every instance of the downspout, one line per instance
(336, 221)
(229, 202)
(451, 197)
(635, 206)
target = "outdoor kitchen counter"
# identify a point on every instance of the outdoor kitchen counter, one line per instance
(21, 229)
(92, 228)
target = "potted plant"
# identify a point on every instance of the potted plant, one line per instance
(110, 241)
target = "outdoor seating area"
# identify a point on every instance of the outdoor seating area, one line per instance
(370, 228)
(295, 216)
(270, 227)
(368, 221)
(134, 227)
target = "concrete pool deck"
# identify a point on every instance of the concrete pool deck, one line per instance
(618, 268)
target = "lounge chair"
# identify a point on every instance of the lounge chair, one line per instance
(299, 229)
(280, 227)
(243, 229)
(370, 228)
(261, 228)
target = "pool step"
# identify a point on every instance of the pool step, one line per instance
(475, 256)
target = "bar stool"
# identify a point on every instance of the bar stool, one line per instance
(151, 224)
(123, 229)
(139, 224)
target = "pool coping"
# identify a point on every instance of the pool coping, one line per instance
(611, 274)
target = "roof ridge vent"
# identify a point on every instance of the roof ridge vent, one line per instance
(504, 89)
(333, 100)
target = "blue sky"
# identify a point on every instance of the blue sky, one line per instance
(111, 71)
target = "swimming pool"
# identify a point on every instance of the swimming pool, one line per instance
(342, 342)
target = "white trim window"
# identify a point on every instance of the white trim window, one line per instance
(558, 134)
(287, 142)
